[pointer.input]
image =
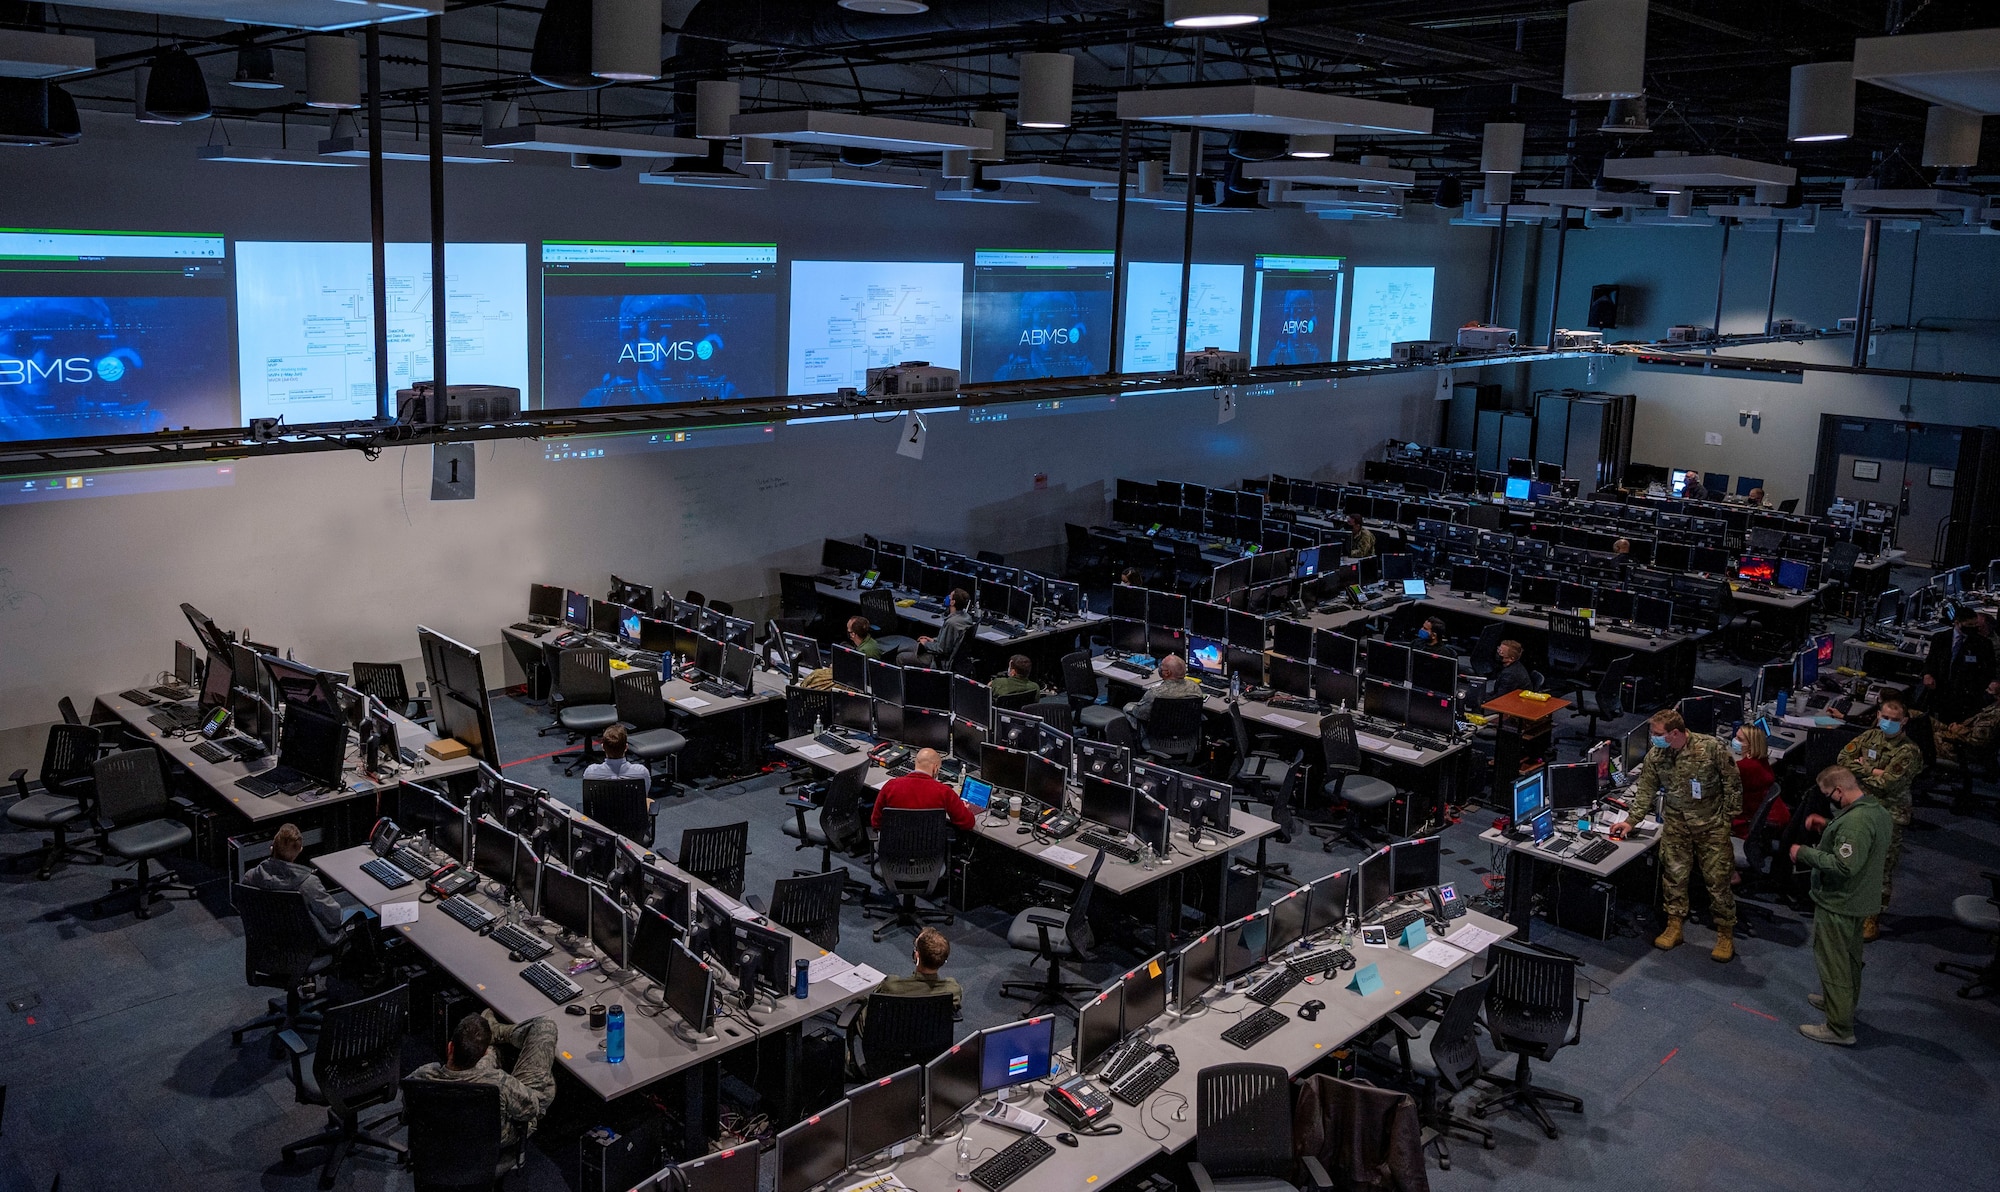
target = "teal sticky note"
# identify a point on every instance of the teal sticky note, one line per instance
(1367, 980)
(1415, 936)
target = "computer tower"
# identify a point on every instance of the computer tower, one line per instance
(610, 1160)
(1582, 903)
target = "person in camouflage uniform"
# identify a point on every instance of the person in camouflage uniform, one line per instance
(525, 1092)
(1845, 890)
(1887, 762)
(1703, 790)
(1975, 734)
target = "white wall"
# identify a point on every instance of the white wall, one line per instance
(341, 558)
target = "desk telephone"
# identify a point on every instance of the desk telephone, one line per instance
(1079, 1102)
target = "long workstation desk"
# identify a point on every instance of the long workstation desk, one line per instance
(1666, 657)
(1045, 642)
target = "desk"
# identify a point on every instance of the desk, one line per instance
(1787, 613)
(1045, 644)
(1632, 870)
(1524, 735)
(1668, 659)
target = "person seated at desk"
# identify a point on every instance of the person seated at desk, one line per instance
(1622, 547)
(1513, 675)
(1361, 542)
(1974, 735)
(1017, 680)
(344, 933)
(615, 763)
(1756, 497)
(943, 649)
(526, 1091)
(1432, 638)
(1691, 489)
(920, 790)
(1753, 764)
(1173, 684)
(930, 952)
(861, 635)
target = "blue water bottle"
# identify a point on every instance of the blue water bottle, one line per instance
(801, 979)
(614, 1036)
(1782, 701)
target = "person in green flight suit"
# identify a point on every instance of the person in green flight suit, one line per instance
(1019, 679)
(1846, 869)
(861, 635)
(1703, 790)
(1887, 762)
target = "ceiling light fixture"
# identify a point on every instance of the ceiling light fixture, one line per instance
(142, 76)
(625, 40)
(1215, 14)
(1451, 193)
(758, 152)
(995, 123)
(1313, 145)
(1500, 148)
(1951, 137)
(1048, 81)
(562, 54)
(716, 103)
(333, 71)
(254, 155)
(34, 112)
(175, 88)
(256, 69)
(1626, 117)
(563, 138)
(886, 8)
(1822, 102)
(1604, 52)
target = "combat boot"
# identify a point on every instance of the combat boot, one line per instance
(1725, 945)
(1870, 930)
(1671, 937)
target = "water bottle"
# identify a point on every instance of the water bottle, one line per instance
(819, 726)
(964, 1170)
(801, 979)
(1784, 697)
(1236, 685)
(614, 1036)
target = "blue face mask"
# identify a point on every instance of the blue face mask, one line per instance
(1889, 727)
(1660, 742)
(1736, 747)
(1423, 635)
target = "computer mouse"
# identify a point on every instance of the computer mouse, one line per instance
(1165, 1050)
(1310, 1011)
(1066, 1138)
(517, 957)
(576, 1009)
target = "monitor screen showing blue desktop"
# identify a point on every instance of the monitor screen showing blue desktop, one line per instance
(1413, 587)
(1205, 654)
(1529, 798)
(976, 793)
(1518, 488)
(1017, 1053)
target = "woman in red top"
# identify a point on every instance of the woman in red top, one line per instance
(1753, 765)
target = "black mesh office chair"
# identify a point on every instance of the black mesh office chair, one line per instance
(1016, 701)
(643, 711)
(696, 598)
(809, 906)
(1346, 785)
(620, 805)
(1052, 934)
(387, 683)
(1172, 730)
(806, 706)
(722, 606)
(912, 855)
(837, 826)
(1979, 913)
(1052, 710)
(1120, 732)
(879, 606)
(1485, 657)
(1750, 854)
(897, 1032)
(355, 1067)
(282, 949)
(132, 798)
(455, 1135)
(1080, 685)
(1255, 774)
(1788, 505)
(1243, 1131)
(67, 708)
(1534, 1008)
(1607, 700)
(1442, 1056)
(798, 604)
(586, 704)
(715, 855)
(1569, 651)
(68, 797)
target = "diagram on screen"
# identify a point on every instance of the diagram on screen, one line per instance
(1390, 306)
(1153, 291)
(851, 316)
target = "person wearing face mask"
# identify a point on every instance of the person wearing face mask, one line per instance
(1431, 639)
(1846, 865)
(1887, 762)
(1974, 735)
(1703, 791)
(1752, 750)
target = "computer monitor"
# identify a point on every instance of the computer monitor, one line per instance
(1336, 688)
(593, 850)
(565, 900)
(1006, 769)
(315, 745)
(1017, 730)
(1536, 589)
(1637, 744)
(607, 924)
(650, 946)
(1197, 969)
(218, 676)
(1388, 662)
(850, 668)
(739, 665)
(576, 610)
(1432, 712)
(1152, 823)
(1433, 672)
(765, 954)
(926, 728)
(1414, 864)
(814, 1151)
(975, 793)
(967, 739)
(1530, 796)
(527, 885)
(1245, 943)
(1167, 610)
(604, 617)
(885, 1112)
(1572, 787)
(888, 719)
(1208, 620)
(1246, 630)
(1292, 639)
(1653, 612)
(1808, 668)
(1128, 602)
(1614, 604)
(1385, 701)
(493, 852)
(1518, 488)
(1129, 636)
(1016, 1053)
(1745, 483)
(1099, 1027)
(951, 1082)
(1377, 882)
(1145, 993)
(1289, 676)
(545, 602)
(1574, 596)
(1103, 760)
(1205, 655)
(708, 654)
(1205, 801)
(1794, 574)
(1328, 907)
(885, 680)
(733, 1170)
(971, 700)
(1043, 780)
(1157, 782)
(1288, 918)
(853, 710)
(846, 556)
(1107, 802)
(1055, 745)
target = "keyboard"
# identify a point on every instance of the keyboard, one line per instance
(144, 699)
(1314, 964)
(551, 982)
(928, 606)
(386, 873)
(468, 913)
(711, 687)
(516, 938)
(643, 660)
(1275, 986)
(412, 862)
(245, 748)
(175, 718)
(172, 691)
(1142, 1082)
(1293, 703)
(209, 751)
(1132, 668)
(1110, 844)
(278, 780)
(1252, 1030)
(1395, 923)
(524, 627)
(1020, 1158)
(1596, 850)
(1125, 1059)
(837, 744)
(1530, 613)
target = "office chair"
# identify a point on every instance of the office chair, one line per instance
(1346, 785)
(839, 827)
(1052, 710)
(643, 711)
(1255, 774)
(993, 557)
(696, 598)
(1980, 913)
(282, 949)
(1788, 505)
(808, 906)
(387, 683)
(1083, 555)
(1080, 685)
(1750, 854)
(897, 1032)
(805, 706)
(1172, 730)
(798, 604)
(1121, 732)
(1569, 650)
(1290, 793)
(723, 606)
(587, 704)
(67, 708)
(1607, 701)
(456, 1130)
(1243, 1132)
(715, 855)
(1534, 1008)
(132, 798)
(1442, 1055)
(69, 794)
(912, 855)
(354, 1067)
(879, 607)
(1052, 934)
(620, 805)
(536, 674)
(1016, 701)
(1485, 658)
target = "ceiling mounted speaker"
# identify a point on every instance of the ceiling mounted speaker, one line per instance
(1180, 153)
(33, 112)
(175, 89)
(333, 71)
(757, 151)
(1047, 83)
(856, 155)
(1152, 176)
(256, 69)
(1499, 189)
(957, 163)
(1451, 193)
(716, 102)
(1500, 148)
(1313, 145)
(995, 123)
(625, 40)
(1626, 117)
(561, 57)
(1604, 54)
(1951, 137)
(1822, 102)
(1215, 14)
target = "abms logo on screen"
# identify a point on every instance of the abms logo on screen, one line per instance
(1042, 337)
(678, 351)
(63, 370)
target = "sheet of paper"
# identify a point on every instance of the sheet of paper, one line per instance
(1286, 721)
(858, 978)
(815, 751)
(395, 914)
(1063, 856)
(1404, 752)
(1368, 742)
(1441, 954)
(828, 967)
(691, 701)
(1802, 721)
(1472, 939)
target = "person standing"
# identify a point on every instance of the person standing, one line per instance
(1846, 892)
(1703, 791)
(1957, 671)
(1886, 761)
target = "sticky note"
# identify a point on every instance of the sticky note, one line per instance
(1367, 979)
(1153, 970)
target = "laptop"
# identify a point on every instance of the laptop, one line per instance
(976, 793)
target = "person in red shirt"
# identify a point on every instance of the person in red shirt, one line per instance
(1753, 763)
(921, 791)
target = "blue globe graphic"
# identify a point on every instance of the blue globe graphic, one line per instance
(705, 348)
(110, 368)
(1076, 334)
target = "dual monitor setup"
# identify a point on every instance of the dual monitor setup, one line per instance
(715, 644)
(998, 591)
(1573, 786)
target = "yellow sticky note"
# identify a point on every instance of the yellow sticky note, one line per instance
(566, 1055)
(1153, 970)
